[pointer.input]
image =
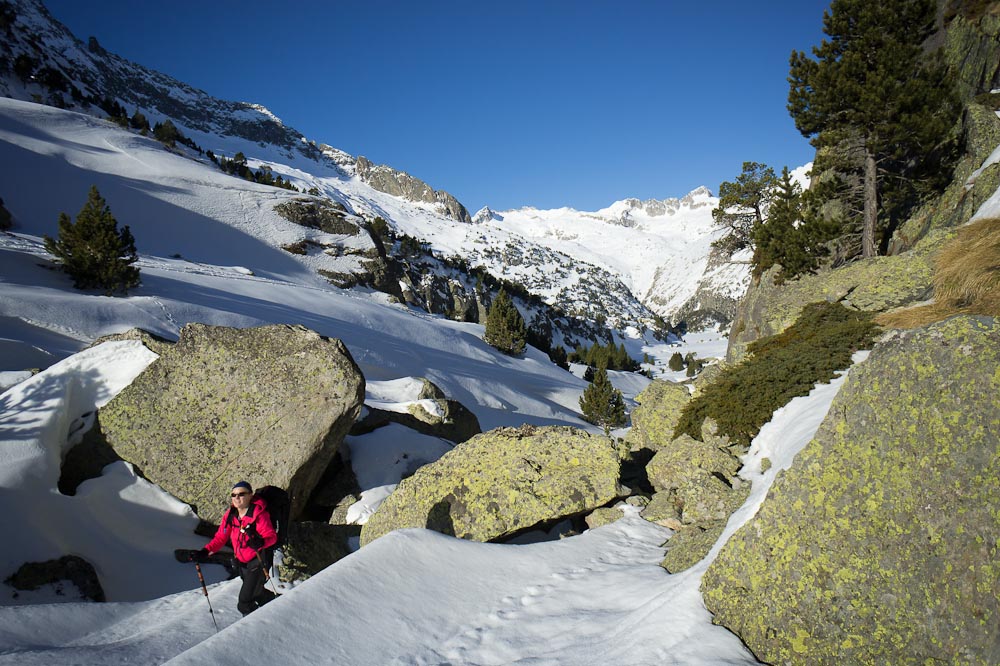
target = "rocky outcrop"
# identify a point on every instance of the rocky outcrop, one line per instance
(717, 296)
(700, 478)
(320, 214)
(880, 544)
(447, 419)
(69, 568)
(312, 547)
(502, 482)
(270, 405)
(401, 184)
(656, 417)
(875, 285)
(439, 293)
(6, 220)
(151, 341)
(971, 183)
(697, 489)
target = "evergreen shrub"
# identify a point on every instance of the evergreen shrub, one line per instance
(93, 250)
(779, 368)
(676, 362)
(505, 328)
(602, 404)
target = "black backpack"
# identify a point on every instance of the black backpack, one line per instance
(278, 507)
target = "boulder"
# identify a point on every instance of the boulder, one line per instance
(603, 516)
(504, 481)
(448, 419)
(873, 285)
(270, 405)
(429, 412)
(699, 478)
(880, 544)
(70, 568)
(151, 341)
(690, 545)
(662, 510)
(656, 417)
(312, 547)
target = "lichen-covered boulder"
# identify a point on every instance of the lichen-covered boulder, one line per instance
(656, 417)
(873, 285)
(270, 405)
(880, 545)
(699, 478)
(603, 516)
(663, 510)
(690, 545)
(448, 419)
(150, 341)
(503, 481)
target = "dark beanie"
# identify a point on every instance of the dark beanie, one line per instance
(243, 484)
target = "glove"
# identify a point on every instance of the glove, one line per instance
(198, 555)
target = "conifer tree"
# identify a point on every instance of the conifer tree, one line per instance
(602, 404)
(741, 205)
(138, 121)
(166, 133)
(505, 328)
(782, 239)
(94, 252)
(872, 95)
(676, 362)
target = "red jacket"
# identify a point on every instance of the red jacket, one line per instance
(238, 531)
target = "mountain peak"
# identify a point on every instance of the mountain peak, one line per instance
(485, 214)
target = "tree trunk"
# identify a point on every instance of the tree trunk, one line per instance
(871, 207)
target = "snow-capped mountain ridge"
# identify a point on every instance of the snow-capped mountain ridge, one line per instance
(644, 257)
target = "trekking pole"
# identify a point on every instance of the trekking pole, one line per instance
(204, 588)
(267, 575)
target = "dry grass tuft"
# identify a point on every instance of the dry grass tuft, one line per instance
(966, 279)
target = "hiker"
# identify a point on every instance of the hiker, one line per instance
(247, 526)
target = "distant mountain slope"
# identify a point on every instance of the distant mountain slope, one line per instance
(623, 264)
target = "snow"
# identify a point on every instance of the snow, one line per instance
(414, 596)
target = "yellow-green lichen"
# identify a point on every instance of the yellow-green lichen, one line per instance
(897, 563)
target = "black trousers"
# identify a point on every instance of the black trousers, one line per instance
(253, 594)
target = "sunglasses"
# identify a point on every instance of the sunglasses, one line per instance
(238, 494)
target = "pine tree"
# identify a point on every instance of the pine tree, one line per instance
(505, 326)
(166, 133)
(782, 239)
(676, 362)
(741, 205)
(94, 252)
(602, 404)
(139, 121)
(871, 95)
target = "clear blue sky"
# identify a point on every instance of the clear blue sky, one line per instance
(512, 103)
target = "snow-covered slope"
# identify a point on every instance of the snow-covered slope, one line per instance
(626, 262)
(659, 248)
(413, 597)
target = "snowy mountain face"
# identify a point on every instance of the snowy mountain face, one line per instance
(659, 249)
(629, 262)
